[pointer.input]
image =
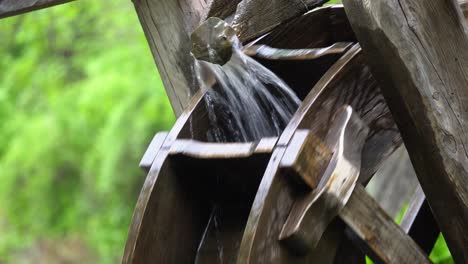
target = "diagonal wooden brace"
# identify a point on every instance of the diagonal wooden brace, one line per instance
(333, 191)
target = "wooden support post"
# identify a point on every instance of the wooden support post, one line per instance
(418, 50)
(167, 25)
(16, 7)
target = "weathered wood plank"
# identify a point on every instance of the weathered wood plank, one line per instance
(346, 138)
(371, 224)
(254, 17)
(16, 7)
(418, 50)
(167, 25)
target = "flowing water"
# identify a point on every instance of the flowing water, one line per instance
(245, 100)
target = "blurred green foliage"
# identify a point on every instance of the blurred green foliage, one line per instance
(80, 99)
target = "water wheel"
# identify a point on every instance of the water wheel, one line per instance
(298, 198)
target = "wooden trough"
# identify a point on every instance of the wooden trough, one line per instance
(206, 202)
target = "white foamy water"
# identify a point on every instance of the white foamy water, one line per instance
(245, 100)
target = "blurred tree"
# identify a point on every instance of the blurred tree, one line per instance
(80, 99)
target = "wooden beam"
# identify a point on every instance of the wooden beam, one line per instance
(418, 50)
(15, 7)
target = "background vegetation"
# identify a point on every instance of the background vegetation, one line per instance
(80, 99)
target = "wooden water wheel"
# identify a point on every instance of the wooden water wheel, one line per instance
(281, 200)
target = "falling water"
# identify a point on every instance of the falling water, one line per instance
(245, 100)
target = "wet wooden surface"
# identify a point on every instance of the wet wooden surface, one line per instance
(354, 86)
(256, 17)
(418, 50)
(223, 9)
(205, 150)
(270, 53)
(191, 185)
(298, 34)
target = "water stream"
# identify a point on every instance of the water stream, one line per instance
(245, 100)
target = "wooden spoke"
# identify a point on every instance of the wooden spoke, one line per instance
(385, 238)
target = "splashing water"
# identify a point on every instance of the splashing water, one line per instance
(245, 100)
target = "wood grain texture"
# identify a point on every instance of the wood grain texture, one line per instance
(254, 17)
(167, 25)
(418, 50)
(16, 7)
(222, 8)
(183, 185)
(385, 238)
